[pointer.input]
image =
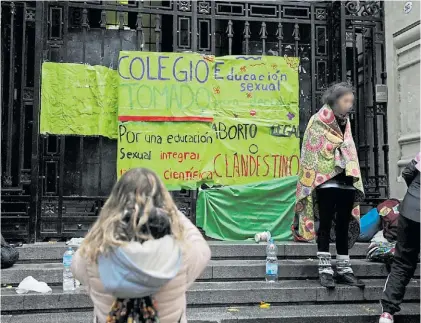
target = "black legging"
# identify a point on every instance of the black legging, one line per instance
(331, 201)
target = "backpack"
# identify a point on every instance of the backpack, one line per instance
(9, 254)
(389, 213)
(139, 310)
(136, 310)
(370, 225)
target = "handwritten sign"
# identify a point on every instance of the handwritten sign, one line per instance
(199, 119)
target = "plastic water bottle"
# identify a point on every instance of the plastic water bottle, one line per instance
(271, 261)
(69, 283)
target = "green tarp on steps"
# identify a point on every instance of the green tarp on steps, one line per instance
(239, 212)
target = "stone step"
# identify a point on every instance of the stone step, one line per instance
(331, 313)
(51, 273)
(205, 294)
(289, 291)
(53, 252)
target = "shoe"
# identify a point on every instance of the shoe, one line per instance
(349, 279)
(325, 270)
(386, 318)
(326, 280)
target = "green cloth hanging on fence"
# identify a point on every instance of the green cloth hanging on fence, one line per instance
(239, 212)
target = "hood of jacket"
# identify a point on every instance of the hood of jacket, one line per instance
(139, 269)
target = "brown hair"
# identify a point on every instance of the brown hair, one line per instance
(335, 91)
(138, 192)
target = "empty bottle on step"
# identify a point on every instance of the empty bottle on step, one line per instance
(271, 261)
(69, 282)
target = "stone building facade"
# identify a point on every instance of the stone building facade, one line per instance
(402, 31)
(53, 186)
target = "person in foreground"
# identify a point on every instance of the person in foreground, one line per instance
(140, 245)
(408, 243)
(329, 186)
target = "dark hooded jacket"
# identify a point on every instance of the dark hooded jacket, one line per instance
(410, 206)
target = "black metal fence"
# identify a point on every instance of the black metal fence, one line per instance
(54, 186)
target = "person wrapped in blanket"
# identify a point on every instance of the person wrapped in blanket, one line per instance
(407, 245)
(330, 187)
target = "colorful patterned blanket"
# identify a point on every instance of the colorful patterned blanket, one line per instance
(325, 153)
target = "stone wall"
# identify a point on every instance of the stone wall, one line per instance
(403, 78)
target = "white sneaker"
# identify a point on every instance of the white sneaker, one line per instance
(386, 318)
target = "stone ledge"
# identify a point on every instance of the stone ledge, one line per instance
(346, 313)
(217, 293)
(289, 291)
(53, 252)
(51, 273)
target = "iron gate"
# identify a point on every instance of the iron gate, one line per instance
(54, 186)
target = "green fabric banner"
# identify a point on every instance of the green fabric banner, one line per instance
(78, 99)
(239, 212)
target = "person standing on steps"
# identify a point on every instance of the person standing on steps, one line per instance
(408, 243)
(330, 186)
